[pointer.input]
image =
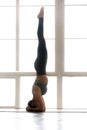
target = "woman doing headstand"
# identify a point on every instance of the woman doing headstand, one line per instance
(39, 88)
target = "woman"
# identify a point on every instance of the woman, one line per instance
(39, 88)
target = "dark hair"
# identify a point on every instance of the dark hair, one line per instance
(31, 103)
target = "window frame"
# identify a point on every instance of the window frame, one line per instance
(59, 56)
(18, 74)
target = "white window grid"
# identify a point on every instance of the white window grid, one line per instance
(18, 74)
(59, 55)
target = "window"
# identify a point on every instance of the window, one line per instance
(7, 92)
(66, 38)
(75, 55)
(7, 55)
(75, 64)
(77, 2)
(74, 92)
(18, 42)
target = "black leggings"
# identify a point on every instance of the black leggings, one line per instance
(41, 60)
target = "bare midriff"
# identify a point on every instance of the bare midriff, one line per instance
(42, 78)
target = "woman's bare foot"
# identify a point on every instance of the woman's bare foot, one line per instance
(41, 13)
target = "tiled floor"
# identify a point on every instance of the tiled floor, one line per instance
(50, 120)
